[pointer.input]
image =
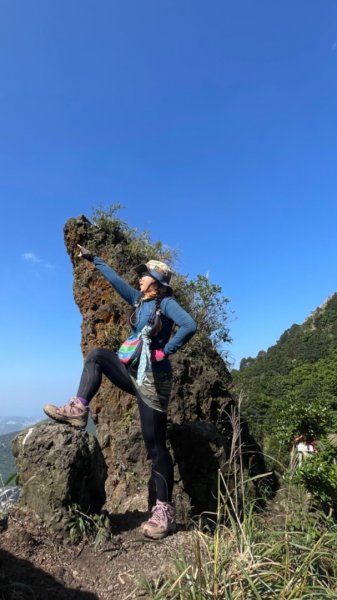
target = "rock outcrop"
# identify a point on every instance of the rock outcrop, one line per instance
(201, 427)
(59, 467)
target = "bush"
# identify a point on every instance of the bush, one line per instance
(81, 526)
(318, 473)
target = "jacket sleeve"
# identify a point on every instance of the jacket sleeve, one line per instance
(128, 293)
(187, 326)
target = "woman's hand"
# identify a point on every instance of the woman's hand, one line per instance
(85, 253)
(157, 355)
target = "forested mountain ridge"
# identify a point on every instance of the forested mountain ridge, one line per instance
(291, 389)
(309, 342)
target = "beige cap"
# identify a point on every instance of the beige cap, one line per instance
(160, 271)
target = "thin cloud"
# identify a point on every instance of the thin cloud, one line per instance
(31, 257)
(334, 46)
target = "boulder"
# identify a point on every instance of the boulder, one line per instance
(58, 467)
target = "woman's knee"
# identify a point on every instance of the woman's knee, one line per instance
(94, 355)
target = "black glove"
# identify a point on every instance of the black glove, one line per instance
(84, 253)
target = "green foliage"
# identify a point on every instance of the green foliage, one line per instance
(318, 473)
(105, 218)
(127, 247)
(95, 528)
(14, 478)
(306, 405)
(139, 243)
(307, 402)
(291, 390)
(208, 307)
(127, 419)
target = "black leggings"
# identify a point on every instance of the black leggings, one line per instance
(153, 422)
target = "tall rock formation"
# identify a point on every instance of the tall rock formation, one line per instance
(200, 430)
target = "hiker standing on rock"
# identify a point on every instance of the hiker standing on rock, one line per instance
(142, 368)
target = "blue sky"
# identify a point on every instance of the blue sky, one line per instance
(212, 123)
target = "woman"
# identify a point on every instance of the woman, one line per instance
(154, 313)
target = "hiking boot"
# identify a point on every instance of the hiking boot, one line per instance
(74, 413)
(162, 521)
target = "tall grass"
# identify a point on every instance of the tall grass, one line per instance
(287, 552)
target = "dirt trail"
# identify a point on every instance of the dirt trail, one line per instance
(41, 568)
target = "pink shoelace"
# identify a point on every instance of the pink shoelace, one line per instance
(72, 407)
(162, 514)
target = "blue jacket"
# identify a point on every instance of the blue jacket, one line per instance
(171, 312)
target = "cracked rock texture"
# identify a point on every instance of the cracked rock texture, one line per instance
(59, 466)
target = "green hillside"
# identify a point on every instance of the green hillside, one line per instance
(7, 463)
(291, 390)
